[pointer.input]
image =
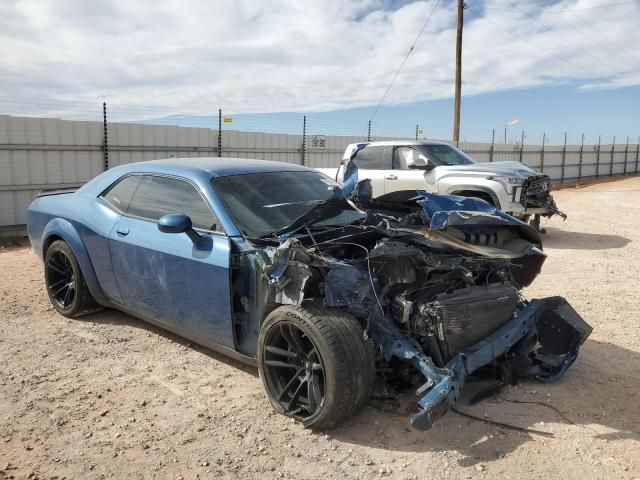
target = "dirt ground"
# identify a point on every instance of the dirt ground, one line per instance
(111, 396)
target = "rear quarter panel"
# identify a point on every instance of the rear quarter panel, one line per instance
(84, 223)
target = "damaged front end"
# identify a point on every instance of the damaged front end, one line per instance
(435, 282)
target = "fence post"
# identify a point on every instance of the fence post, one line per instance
(613, 147)
(369, 132)
(626, 151)
(598, 157)
(637, 155)
(105, 139)
(544, 139)
(521, 146)
(493, 141)
(564, 156)
(304, 138)
(580, 158)
(219, 132)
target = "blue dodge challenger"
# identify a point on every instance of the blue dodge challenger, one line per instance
(329, 291)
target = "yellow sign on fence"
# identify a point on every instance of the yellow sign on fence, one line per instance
(228, 120)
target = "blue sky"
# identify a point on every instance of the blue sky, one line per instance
(551, 110)
(556, 65)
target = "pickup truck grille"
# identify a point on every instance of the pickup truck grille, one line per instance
(534, 190)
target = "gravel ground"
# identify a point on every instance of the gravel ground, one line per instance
(110, 396)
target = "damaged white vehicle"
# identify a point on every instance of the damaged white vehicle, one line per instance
(400, 166)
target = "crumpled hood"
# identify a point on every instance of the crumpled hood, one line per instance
(506, 169)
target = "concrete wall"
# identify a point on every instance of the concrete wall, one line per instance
(41, 153)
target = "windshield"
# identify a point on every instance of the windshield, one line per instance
(445, 155)
(261, 203)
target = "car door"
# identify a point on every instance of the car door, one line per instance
(373, 162)
(166, 276)
(404, 178)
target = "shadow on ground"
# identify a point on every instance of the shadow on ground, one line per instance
(599, 396)
(562, 239)
(115, 317)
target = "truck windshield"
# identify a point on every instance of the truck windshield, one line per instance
(445, 155)
(262, 203)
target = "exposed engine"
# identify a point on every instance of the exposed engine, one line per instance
(435, 282)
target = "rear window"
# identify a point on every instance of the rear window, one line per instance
(121, 193)
(370, 157)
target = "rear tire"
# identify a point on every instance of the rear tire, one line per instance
(66, 286)
(315, 364)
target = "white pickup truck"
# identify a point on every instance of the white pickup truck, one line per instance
(398, 168)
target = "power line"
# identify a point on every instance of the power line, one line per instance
(614, 53)
(424, 25)
(604, 5)
(633, 58)
(560, 57)
(550, 29)
(590, 38)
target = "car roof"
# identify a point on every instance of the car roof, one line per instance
(406, 142)
(213, 166)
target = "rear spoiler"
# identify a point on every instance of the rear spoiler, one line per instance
(56, 191)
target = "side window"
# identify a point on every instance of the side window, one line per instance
(371, 157)
(158, 196)
(120, 194)
(404, 157)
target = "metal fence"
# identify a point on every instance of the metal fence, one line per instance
(41, 153)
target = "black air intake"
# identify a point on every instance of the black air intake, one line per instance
(466, 316)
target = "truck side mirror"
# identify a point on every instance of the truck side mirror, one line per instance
(420, 163)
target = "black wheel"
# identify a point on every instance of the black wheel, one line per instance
(65, 283)
(315, 364)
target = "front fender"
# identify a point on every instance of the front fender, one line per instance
(451, 188)
(64, 229)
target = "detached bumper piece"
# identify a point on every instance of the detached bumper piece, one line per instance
(541, 342)
(536, 194)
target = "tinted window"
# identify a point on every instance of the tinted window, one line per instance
(370, 157)
(159, 196)
(262, 203)
(446, 155)
(120, 194)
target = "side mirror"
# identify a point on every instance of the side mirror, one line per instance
(178, 223)
(421, 165)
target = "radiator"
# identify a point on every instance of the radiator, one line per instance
(466, 316)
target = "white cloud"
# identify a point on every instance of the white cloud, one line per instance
(252, 56)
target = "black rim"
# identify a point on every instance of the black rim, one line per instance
(294, 371)
(61, 279)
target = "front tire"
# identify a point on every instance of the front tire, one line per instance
(67, 289)
(315, 364)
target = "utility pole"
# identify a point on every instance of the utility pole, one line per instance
(456, 101)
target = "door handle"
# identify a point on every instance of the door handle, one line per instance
(122, 231)
(391, 177)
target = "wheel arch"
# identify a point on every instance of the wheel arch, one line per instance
(61, 229)
(484, 193)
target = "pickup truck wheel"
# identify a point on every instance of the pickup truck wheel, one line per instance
(315, 364)
(67, 289)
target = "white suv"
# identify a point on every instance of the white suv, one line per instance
(398, 168)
